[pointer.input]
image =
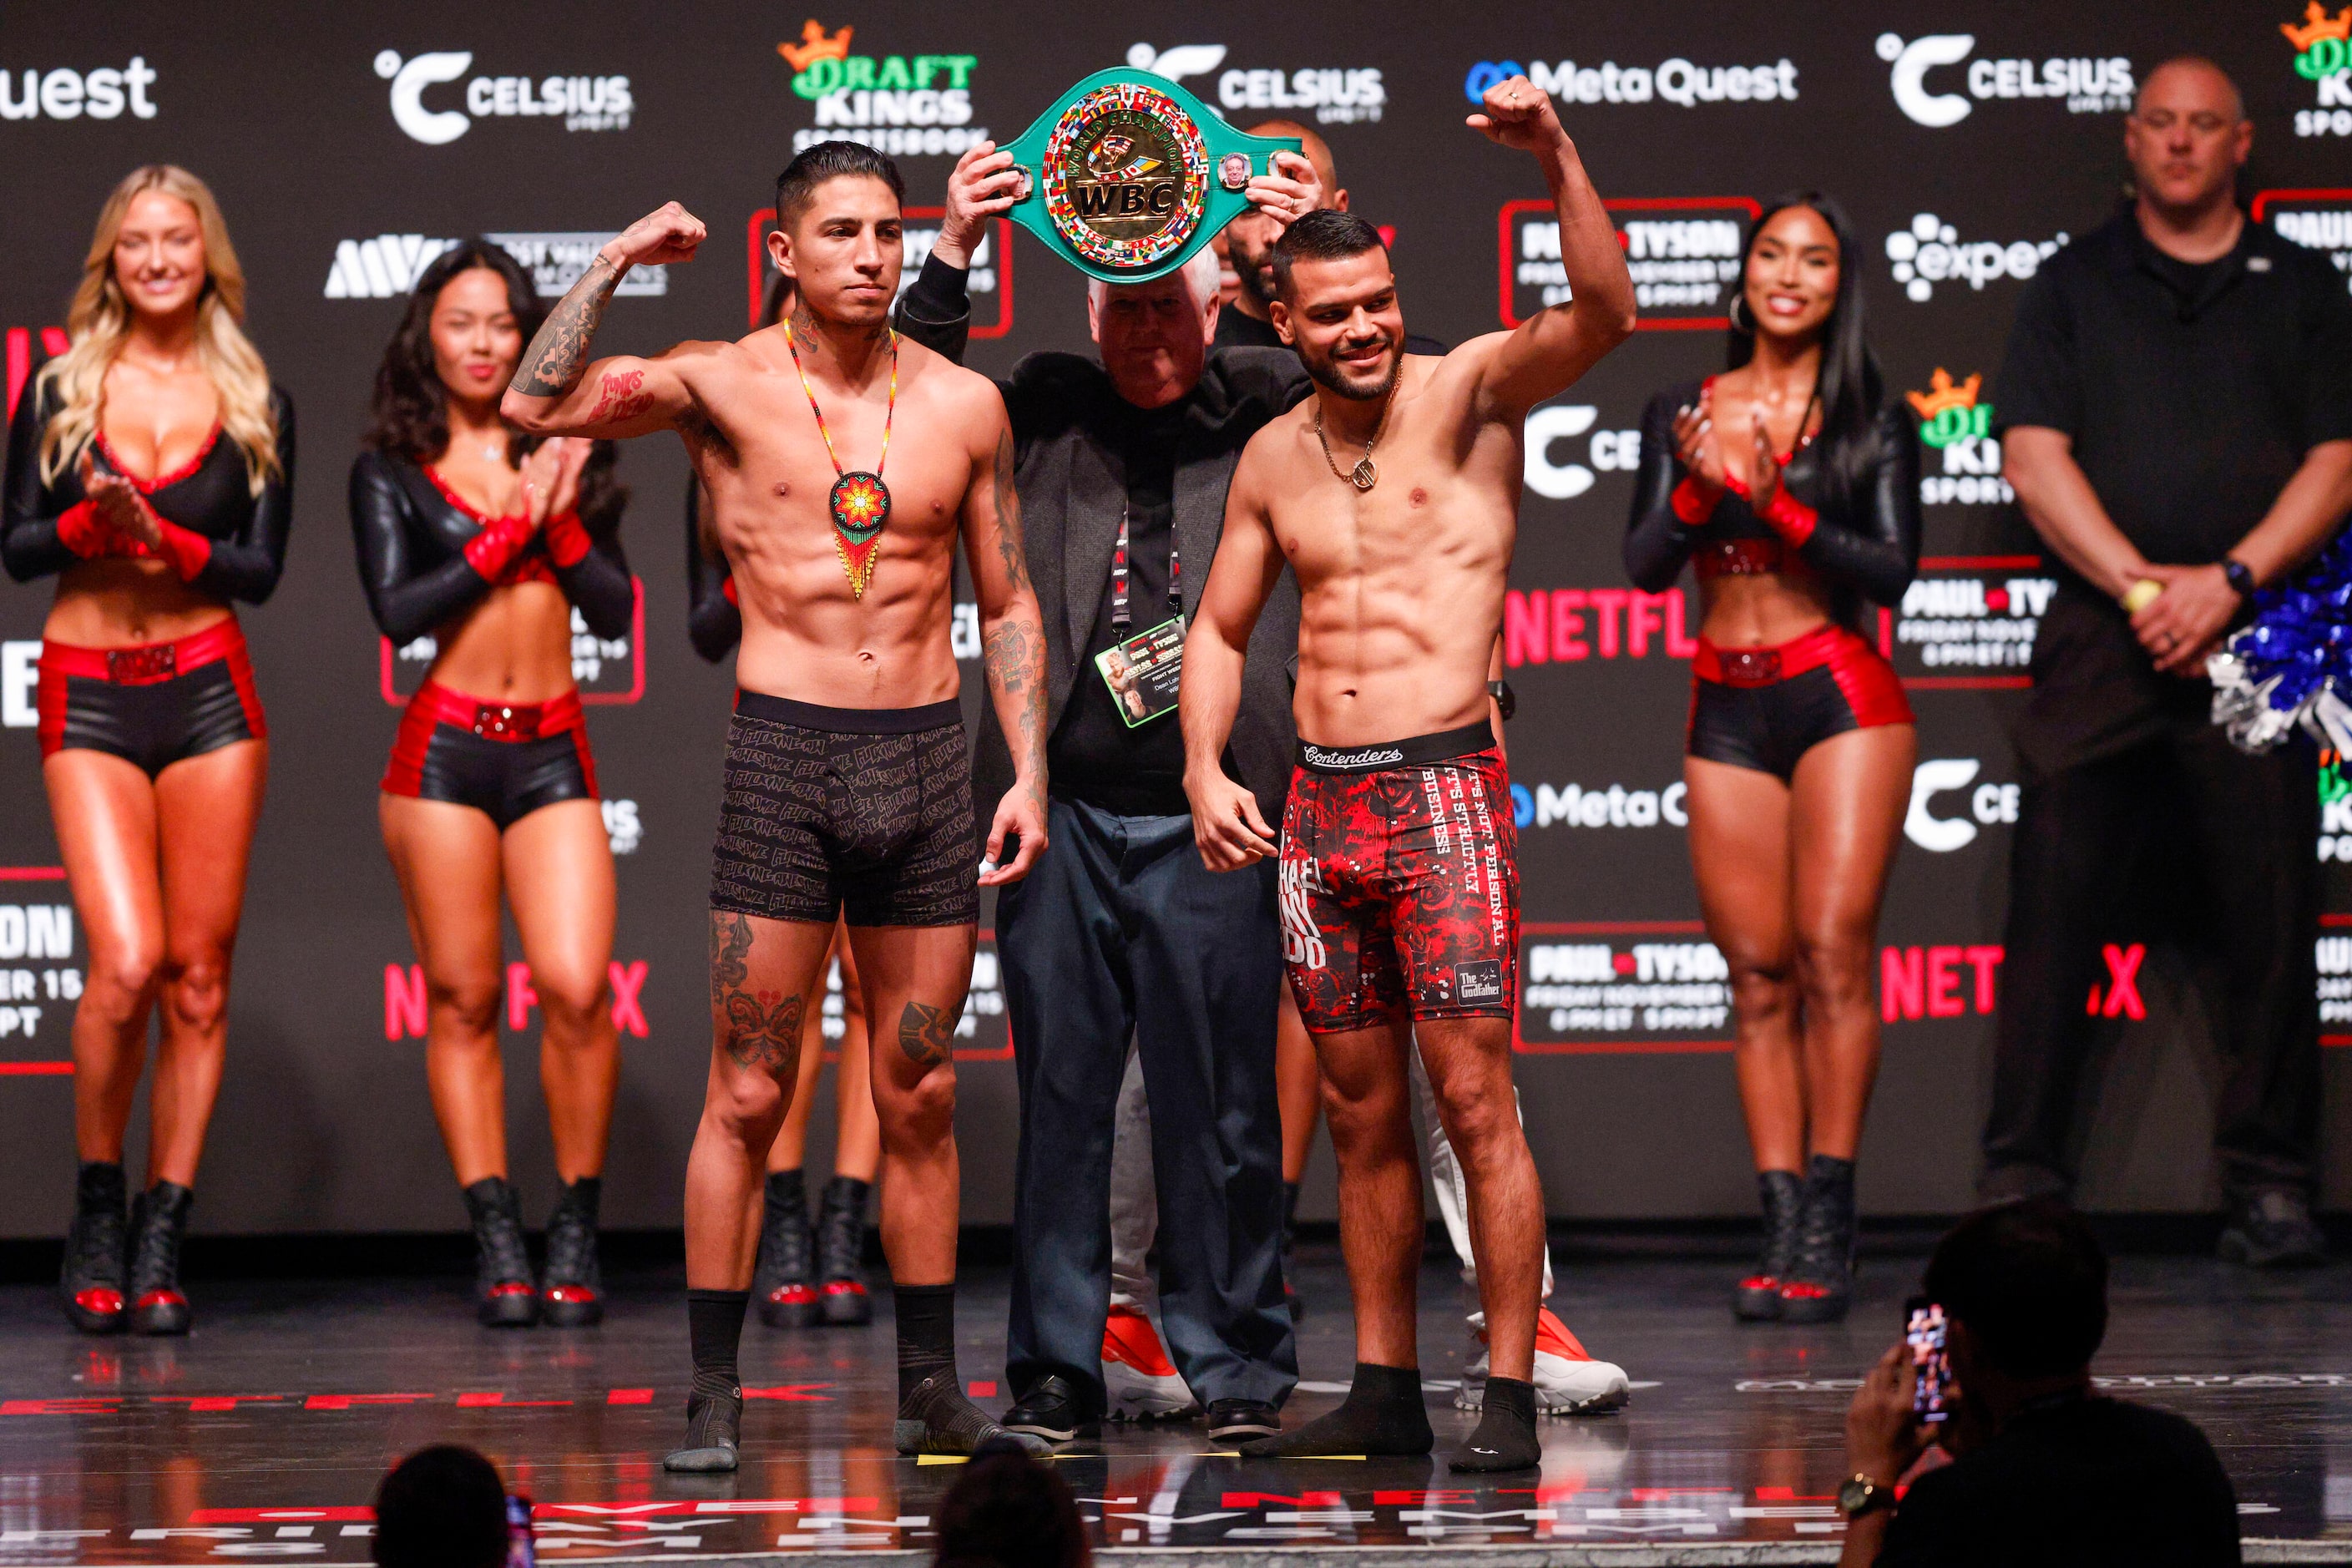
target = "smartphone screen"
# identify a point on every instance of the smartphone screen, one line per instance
(1923, 1331)
(521, 1552)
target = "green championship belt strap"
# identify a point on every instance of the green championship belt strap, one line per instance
(1128, 175)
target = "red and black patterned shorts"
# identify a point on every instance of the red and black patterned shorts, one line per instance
(1399, 888)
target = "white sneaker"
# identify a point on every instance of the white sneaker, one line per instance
(1569, 1381)
(1139, 1382)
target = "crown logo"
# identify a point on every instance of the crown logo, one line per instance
(817, 45)
(1942, 394)
(2317, 24)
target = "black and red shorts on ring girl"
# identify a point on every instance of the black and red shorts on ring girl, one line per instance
(153, 704)
(1764, 708)
(1399, 882)
(505, 760)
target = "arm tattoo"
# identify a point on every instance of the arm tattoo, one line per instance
(927, 1034)
(557, 355)
(758, 1029)
(1008, 515)
(618, 397)
(1014, 656)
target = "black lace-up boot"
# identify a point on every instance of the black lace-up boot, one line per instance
(1756, 1298)
(92, 1281)
(784, 1286)
(571, 1291)
(841, 1254)
(504, 1296)
(159, 1221)
(1821, 1285)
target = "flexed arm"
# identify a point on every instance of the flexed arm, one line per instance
(1013, 640)
(1546, 352)
(1226, 823)
(558, 391)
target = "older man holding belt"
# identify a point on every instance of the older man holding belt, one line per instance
(1121, 467)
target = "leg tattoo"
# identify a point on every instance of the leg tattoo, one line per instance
(927, 1034)
(762, 1027)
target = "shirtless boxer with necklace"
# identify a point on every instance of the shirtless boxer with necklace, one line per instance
(1394, 496)
(847, 779)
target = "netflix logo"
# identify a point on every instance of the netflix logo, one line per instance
(404, 1003)
(1563, 625)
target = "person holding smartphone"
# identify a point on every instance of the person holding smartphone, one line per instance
(2042, 1468)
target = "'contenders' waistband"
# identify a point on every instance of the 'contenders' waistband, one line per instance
(517, 722)
(1420, 749)
(146, 664)
(848, 720)
(1769, 666)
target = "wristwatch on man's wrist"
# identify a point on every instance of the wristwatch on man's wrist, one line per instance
(2239, 576)
(1858, 1495)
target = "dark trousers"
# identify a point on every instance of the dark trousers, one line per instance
(2244, 830)
(1119, 931)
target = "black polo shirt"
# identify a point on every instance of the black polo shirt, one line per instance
(2192, 395)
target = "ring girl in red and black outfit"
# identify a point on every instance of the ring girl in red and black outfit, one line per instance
(1794, 489)
(474, 535)
(150, 466)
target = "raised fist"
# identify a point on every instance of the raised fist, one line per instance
(1517, 115)
(665, 236)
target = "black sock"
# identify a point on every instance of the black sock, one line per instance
(1382, 1414)
(1506, 1436)
(714, 1326)
(926, 1316)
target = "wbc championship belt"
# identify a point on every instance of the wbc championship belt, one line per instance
(1128, 175)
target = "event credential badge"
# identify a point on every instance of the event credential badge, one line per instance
(1129, 174)
(1144, 672)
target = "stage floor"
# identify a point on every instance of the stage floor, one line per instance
(262, 1435)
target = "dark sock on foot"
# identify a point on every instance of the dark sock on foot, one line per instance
(926, 1315)
(1383, 1414)
(1505, 1434)
(714, 1327)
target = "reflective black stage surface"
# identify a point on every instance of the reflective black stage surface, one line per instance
(263, 1435)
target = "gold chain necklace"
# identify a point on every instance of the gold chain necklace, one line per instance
(1364, 475)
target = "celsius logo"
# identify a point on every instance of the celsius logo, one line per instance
(1611, 451)
(903, 105)
(2087, 86)
(387, 266)
(1336, 95)
(101, 94)
(1988, 804)
(1953, 422)
(1678, 82)
(2316, 220)
(1930, 252)
(582, 102)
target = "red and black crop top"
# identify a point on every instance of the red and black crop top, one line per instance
(218, 536)
(426, 556)
(1867, 544)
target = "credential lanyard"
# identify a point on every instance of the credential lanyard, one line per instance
(1121, 618)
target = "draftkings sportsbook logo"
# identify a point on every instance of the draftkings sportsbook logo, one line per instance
(389, 265)
(904, 105)
(1954, 424)
(581, 102)
(2084, 86)
(2322, 57)
(1682, 251)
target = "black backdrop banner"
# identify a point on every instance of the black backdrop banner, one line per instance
(1968, 138)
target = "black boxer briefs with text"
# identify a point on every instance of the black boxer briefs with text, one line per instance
(827, 808)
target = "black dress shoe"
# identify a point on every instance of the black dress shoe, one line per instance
(1239, 1420)
(1055, 1410)
(2272, 1230)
